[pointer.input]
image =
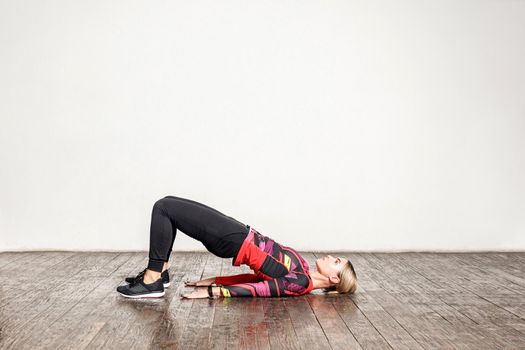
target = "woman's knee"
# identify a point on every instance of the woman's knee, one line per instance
(160, 204)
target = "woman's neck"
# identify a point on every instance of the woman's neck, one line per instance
(319, 280)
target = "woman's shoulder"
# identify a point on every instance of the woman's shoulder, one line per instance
(298, 262)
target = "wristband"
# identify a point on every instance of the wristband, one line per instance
(210, 292)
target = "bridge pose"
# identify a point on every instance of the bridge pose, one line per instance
(278, 270)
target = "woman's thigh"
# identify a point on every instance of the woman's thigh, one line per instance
(214, 229)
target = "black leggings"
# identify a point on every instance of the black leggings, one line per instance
(222, 235)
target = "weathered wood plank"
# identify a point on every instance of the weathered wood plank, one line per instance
(39, 294)
(67, 300)
(472, 336)
(61, 299)
(85, 321)
(73, 318)
(386, 324)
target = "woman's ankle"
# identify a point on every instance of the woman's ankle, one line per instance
(151, 276)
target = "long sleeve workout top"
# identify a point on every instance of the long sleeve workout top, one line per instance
(279, 270)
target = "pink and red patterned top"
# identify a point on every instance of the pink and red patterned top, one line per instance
(279, 270)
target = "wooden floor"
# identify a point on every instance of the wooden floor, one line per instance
(67, 300)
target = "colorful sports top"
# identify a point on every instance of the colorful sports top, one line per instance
(279, 270)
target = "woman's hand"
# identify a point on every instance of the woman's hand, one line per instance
(201, 293)
(201, 283)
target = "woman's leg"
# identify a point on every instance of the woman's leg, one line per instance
(221, 234)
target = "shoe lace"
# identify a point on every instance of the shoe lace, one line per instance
(138, 277)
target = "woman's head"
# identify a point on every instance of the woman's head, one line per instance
(340, 273)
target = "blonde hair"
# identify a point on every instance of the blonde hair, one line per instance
(347, 283)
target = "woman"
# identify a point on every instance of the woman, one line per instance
(278, 270)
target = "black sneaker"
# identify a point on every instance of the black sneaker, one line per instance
(139, 289)
(164, 275)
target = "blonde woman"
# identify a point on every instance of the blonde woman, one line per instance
(279, 271)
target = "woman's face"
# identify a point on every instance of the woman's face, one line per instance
(330, 266)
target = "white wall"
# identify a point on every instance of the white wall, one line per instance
(327, 125)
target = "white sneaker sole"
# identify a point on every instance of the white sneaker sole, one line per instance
(149, 295)
(166, 285)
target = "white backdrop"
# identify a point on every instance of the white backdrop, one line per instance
(327, 125)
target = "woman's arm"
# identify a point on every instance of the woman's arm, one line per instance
(289, 285)
(228, 280)
(241, 278)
